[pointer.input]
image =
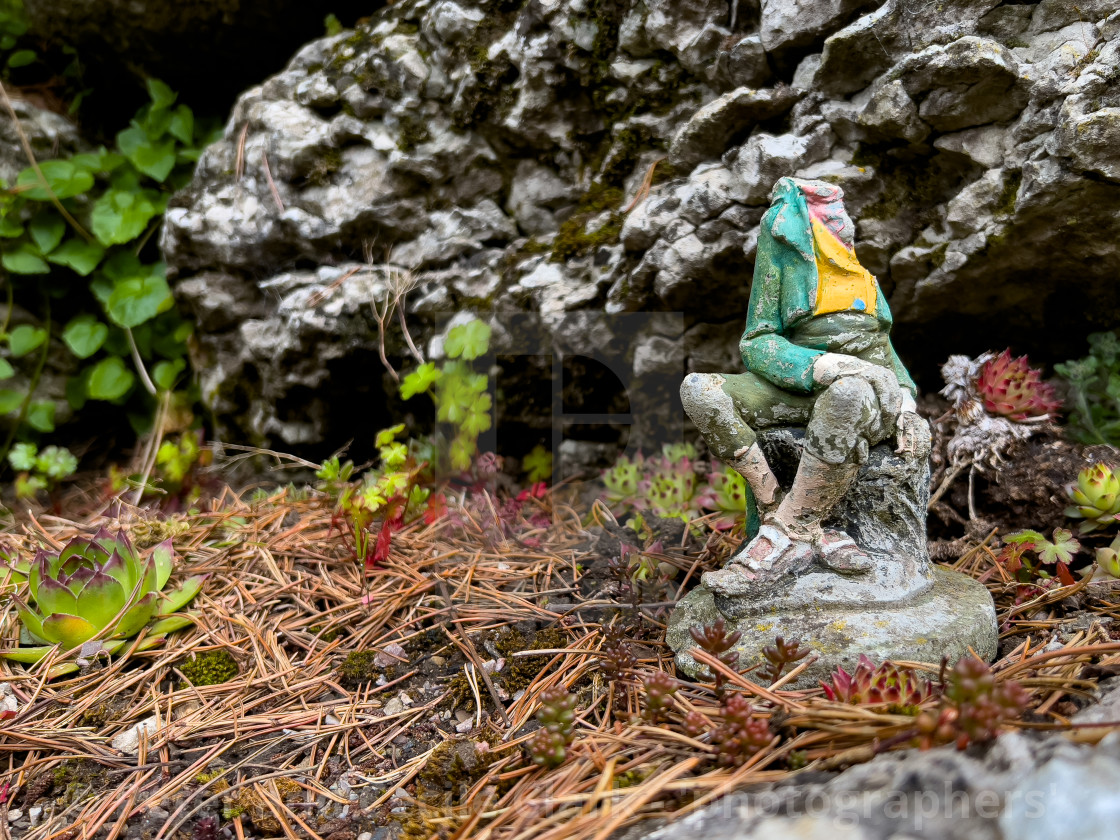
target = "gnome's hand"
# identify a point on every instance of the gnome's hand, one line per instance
(891, 396)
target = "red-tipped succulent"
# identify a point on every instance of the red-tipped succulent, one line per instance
(1011, 388)
(887, 684)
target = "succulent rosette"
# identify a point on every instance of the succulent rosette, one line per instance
(887, 684)
(1096, 498)
(98, 587)
(1010, 387)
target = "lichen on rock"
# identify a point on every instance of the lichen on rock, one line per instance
(463, 140)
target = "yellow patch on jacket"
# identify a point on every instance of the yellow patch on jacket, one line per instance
(843, 285)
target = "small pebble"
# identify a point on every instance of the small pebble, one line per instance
(464, 727)
(14, 816)
(365, 835)
(35, 813)
(392, 655)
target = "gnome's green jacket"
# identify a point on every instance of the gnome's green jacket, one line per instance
(784, 292)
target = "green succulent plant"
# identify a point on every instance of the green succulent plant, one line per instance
(1108, 558)
(98, 588)
(1096, 498)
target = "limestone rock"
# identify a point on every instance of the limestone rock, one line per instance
(503, 154)
(795, 23)
(942, 794)
(709, 132)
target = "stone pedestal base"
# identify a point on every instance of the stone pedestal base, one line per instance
(944, 619)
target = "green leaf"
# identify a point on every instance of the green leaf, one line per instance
(419, 381)
(109, 379)
(10, 228)
(10, 400)
(63, 177)
(182, 125)
(47, 229)
(78, 255)
(120, 216)
(84, 336)
(40, 416)
(25, 260)
(56, 462)
(25, 338)
(165, 373)
(6, 369)
(138, 299)
(155, 158)
(462, 450)
(182, 594)
(1061, 549)
(386, 436)
(21, 58)
(103, 161)
(22, 456)
(162, 95)
(538, 464)
(468, 340)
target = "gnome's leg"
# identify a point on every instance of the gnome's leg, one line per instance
(845, 420)
(721, 406)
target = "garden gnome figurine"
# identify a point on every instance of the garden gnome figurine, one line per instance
(818, 354)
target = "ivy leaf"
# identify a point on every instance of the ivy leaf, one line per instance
(40, 416)
(138, 299)
(79, 256)
(9, 228)
(64, 178)
(166, 373)
(419, 381)
(25, 260)
(47, 229)
(1061, 549)
(109, 379)
(21, 58)
(162, 95)
(25, 338)
(155, 158)
(10, 400)
(103, 161)
(84, 336)
(6, 369)
(181, 126)
(468, 340)
(121, 215)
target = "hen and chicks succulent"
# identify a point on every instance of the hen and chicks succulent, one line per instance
(97, 587)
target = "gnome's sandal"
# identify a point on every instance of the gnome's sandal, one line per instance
(840, 553)
(770, 556)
